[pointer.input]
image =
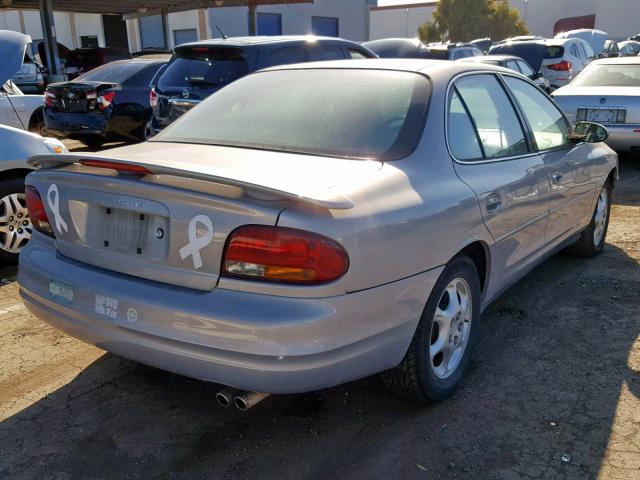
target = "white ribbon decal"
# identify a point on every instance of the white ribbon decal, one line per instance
(197, 243)
(54, 205)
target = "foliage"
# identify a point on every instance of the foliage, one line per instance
(464, 20)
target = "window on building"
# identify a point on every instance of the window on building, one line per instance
(269, 24)
(185, 36)
(152, 32)
(89, 41)
(325, 26)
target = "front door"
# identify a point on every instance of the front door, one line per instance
(571, 171)
(494, 158)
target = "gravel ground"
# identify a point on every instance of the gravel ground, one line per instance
(553, 393)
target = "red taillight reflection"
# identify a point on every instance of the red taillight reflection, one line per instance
(284, 255)
(563, 66)
(119, 167)
(37, 213)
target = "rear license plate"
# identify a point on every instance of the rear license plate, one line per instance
(126, 230)
(602, 115)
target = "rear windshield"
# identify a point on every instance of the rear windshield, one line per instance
(554, 51)
(532, 53)
(596, 75)
(204, 67)
(437, 53)
(343, 113)
(113, 72)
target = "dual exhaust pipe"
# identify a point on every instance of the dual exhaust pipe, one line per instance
(241, 399)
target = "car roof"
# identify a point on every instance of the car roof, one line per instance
(262, 40)
(497, 58)
(146, 59)
(618, 61)
(425, 66)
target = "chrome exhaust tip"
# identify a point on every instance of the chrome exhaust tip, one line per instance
(246, 400)
(225, 396)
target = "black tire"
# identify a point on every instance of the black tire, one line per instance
(586, 246)
(415, 378)
(93, 141)
(36, 123)
(8, 187)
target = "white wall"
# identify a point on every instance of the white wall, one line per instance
(619, 18)
(398, 22)
(296, 18)
(89, 24)
(182, 21)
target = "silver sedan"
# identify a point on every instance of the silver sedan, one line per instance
(608, 92)
(311, 225)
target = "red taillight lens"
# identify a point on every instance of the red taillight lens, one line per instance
(106, 99)
(284, 255)
(153, 98)
(49, 98)
(36, 210)
(119, 167)
(563, 66)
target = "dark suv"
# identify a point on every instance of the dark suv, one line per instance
(199, 69)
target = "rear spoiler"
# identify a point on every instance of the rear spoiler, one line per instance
(326, 199)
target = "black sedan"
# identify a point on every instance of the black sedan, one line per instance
(110, 102)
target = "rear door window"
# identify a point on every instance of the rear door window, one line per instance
(573, 50)
(495, 119)
(463, 139)
(204, 67)
(512, 65)
(319, 53)
(554, 51)
(525, 69)
(286, 55)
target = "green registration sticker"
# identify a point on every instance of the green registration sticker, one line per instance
(60, 291)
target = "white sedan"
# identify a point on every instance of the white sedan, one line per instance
(607, 92)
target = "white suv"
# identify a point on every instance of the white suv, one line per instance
(564, 59)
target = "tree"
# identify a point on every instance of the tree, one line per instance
(464, 20)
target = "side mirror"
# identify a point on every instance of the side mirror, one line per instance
(590, 132)
(536, 76)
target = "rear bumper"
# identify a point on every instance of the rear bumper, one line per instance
(248, 341)
(73, 124)
(623, 138)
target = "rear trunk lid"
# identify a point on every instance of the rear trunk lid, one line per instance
(78, 97)
(171, 225)
(600, 104)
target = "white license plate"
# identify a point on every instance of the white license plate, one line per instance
(602, 115)
(127, 230)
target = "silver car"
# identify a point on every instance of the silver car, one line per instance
(607, 92)
(310, 225)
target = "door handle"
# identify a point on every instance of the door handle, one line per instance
(493, 202)
(556, 177)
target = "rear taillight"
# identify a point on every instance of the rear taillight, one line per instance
(283, 255)
(105, 100)
(36, 210)
(49, 98)
(153, 98)
(563, 66)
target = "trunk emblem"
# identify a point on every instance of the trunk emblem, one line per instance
(185, 93)
(71, 95)
(603, 100)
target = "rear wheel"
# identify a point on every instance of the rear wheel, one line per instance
(591, 241)
(441, 347)
(36, 124)
(15, 224)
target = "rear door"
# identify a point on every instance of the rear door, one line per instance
(571, 171)
(493, 156)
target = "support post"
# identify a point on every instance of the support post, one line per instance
(165, 28)
(50, 42)
(252, 17)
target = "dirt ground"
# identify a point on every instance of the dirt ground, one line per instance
(553, 393)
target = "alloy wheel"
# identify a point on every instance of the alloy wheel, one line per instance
(451, 328)
(600, 217)
(15, 224)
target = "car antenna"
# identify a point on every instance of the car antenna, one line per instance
(224, 37)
